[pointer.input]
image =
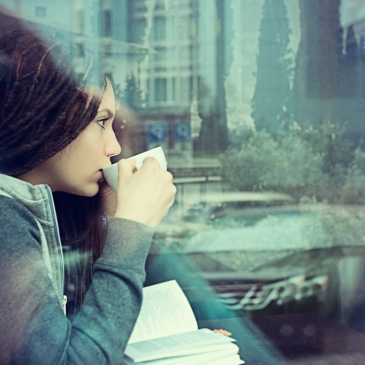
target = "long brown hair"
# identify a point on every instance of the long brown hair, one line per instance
(43, 108)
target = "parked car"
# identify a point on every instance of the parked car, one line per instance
(258, 253)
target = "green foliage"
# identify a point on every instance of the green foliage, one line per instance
(310, 164)
(265, 163)
(131, 95)
(354, 187)
(337, 150)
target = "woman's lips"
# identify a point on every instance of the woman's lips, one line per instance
(101, 178)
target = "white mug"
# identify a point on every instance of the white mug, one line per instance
(111, 172)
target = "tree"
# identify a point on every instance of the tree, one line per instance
(132, 94)
(213, 137)
(352, 48)
(212, 104)
(362, 47)
(271, 102)
(348, 76)
(328, 83)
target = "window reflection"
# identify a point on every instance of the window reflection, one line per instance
(259, 106)
(40, 11)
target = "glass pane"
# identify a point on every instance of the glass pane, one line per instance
(259, 108)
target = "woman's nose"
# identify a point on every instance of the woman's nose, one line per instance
(113, 147)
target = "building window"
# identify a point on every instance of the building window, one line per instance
(40, 11)
(160, 55)
(185, 88)
(160, 5)
(147, 96)
(173, 87)
(160, 89)
(139, 30)
(108, 49)
(191, 87)
(80, 21)
(107, 23)
(161, 69)
(80, 51)
(160, 28)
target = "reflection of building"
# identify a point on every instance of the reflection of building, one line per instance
(170, 56)
(94, 27)
(187, 69)
(329, 85)
(49, 13)
(180, 82)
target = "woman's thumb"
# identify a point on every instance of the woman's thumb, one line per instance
(126, 168)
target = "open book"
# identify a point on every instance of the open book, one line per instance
(166, 333)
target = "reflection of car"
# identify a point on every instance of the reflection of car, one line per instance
(258, 296)
(211, 206)
(260, 253)
(196, 212)
(240, 222)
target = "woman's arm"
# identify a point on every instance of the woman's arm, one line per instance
(33, 328)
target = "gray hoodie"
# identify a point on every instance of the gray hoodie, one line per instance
(33, 327)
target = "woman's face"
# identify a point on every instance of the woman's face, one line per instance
(77, 168)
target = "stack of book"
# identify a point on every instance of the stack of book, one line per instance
(166, 333)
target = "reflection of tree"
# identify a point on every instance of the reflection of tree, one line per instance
(352, 49)
(272, 97)
(128, 129)
(362, 68)
(213, 137)
(348, 77)
(303, 162)
(212, 104)
(132, 94)
(328, 77)
(362, 48)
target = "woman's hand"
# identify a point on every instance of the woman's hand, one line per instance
(108, 199)
(146, 195)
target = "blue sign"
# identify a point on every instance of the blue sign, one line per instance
(182, 132)
(157, 132)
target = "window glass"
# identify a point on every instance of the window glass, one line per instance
(106, 27)
(160, 55)
(160, 89)
(159, 28)
(259, 107)
(40, 11)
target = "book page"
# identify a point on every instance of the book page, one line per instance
(231, 360)
(195, 342)
(219, 352)
(165, 311)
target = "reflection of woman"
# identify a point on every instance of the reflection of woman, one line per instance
(55, 137)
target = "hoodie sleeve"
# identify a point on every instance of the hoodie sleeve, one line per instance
(33, 328)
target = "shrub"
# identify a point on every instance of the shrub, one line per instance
(266, 162)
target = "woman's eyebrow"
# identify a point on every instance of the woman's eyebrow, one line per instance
(110, 113)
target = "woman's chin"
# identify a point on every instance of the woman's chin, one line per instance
(88, 191)
(92, 191)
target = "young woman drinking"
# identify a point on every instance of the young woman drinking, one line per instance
(56, 136)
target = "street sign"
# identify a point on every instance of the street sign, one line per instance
(157, 132)
(182, 132)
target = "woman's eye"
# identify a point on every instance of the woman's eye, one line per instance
(101, 122)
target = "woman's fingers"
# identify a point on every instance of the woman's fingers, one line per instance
(151, 164)
(146, 195)
(126, 168)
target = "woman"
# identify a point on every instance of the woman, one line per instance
(56, 136)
